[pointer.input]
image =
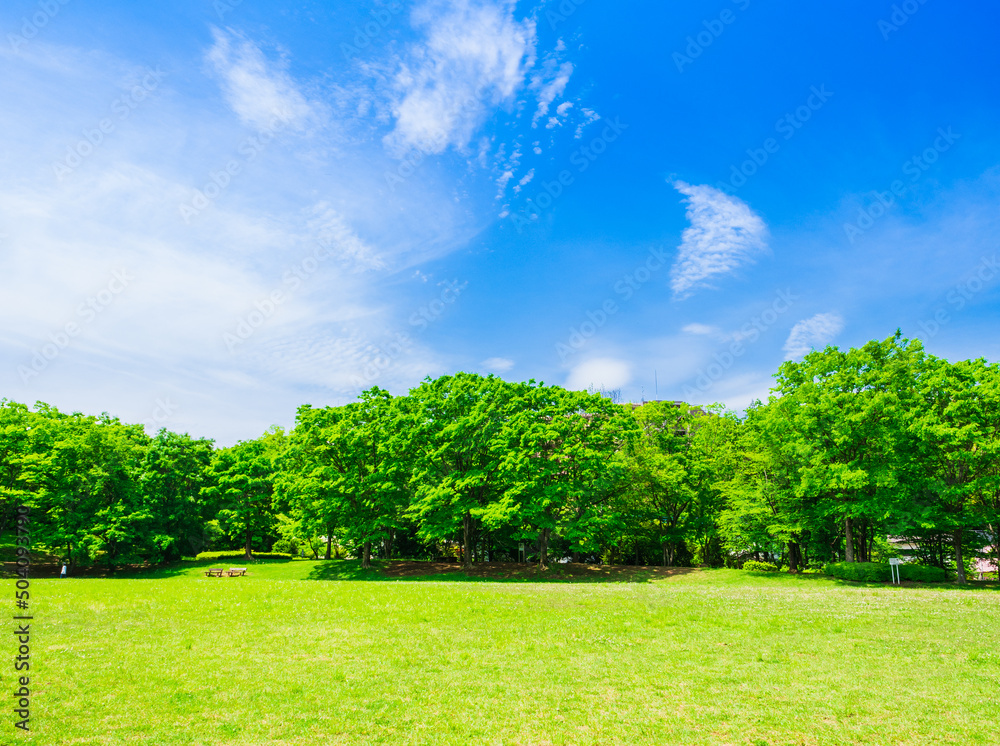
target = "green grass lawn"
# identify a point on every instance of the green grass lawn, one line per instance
(707, 657)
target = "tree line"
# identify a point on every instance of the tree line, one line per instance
(851, 448)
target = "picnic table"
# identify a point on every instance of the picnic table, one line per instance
(215, 572)
(234, 571)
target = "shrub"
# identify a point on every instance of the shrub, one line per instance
(860, 572)
(242, 555)
(924, 573)
(289, 545)
(755, 566)
(874, 572)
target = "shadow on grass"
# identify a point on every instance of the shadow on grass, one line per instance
(489, 572)
(345, 570)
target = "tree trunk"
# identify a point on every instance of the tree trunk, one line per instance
(959, 559)
(467, 541)
(793, 556)
(329, 544)
(366, 556)
(543, 549)
(848, 541)
(249, 548)
(389, 541)
(664, 555)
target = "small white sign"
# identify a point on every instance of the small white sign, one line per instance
(894, 564)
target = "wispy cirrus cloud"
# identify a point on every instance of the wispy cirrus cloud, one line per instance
(813, 333)
(259, 91)
(475, 57)
(724, 235)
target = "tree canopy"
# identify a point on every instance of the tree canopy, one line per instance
(857, 455)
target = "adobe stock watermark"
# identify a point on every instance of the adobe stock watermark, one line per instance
(747, 335)
(423, 316)
(219, 180)
(385, 356)
(163, 412)
(121, 109)
(221, 7)
(32, 25)
(915, 168)
(367, 33)
(560, 14)
(626, 288)
(702, 40)
(582, 159)
(787, 127)
(22, 619)
(901, 13)
(265, 308)
(86, 313)
(960, 295)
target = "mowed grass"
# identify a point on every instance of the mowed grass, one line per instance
(709, 657)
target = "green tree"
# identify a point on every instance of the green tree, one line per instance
(848, 431)
(956, 427)
(559, 465)
(345, 469)
(173, 473)
(453, 434)
(241, 483)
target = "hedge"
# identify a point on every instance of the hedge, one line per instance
(874, 572)
(242, 555)
(924, 573)
(755, 566)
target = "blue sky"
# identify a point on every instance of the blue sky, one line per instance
(215, 212)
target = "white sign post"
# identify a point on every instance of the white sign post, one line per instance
(894, 570)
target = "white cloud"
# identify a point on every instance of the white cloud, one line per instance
(701, 329)
(724, 235)
(550, 83)
(261, 93)
(497, 364)
(330, 229)
(813, 333)
(524, 181)
(474, 58)
(193, 283)
(599, 373)
(589, 117)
